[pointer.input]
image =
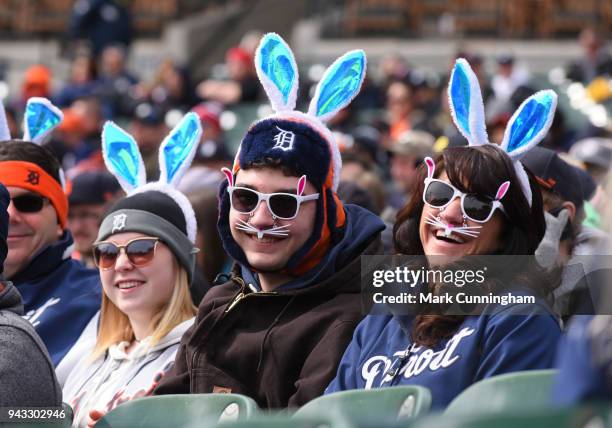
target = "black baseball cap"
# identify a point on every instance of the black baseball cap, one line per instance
(558, 176)
(93, 187)
(149, 114)
(505, 59)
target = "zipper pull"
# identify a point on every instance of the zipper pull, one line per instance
(395, 367)
(237, 299)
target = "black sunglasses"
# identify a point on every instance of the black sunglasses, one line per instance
(29, 203)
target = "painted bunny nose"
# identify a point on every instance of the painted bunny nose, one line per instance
(452, 214)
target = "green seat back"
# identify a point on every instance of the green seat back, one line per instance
(69, 414)
(519, 391)
(573, 417)
(283, 420)
(178, 410)
(366, 406)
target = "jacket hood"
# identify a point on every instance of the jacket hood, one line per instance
(361, 236)
(117, 351)
(47, 260)
(10, 299)
(591, 241)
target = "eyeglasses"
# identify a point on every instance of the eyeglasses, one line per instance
(281, 205)
(29, 203)
(439, 194)
(139, 251)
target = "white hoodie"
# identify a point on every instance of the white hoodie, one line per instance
(118, 377)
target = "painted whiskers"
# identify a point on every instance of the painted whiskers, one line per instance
(470, 231)
(276, 231)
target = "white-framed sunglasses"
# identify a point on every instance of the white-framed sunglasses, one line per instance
(284, 206)
(439, 194)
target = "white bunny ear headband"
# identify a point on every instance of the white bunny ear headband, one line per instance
(123, 159)
(526, 128)
(277, 70)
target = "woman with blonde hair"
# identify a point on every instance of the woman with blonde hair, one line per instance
(146, 256)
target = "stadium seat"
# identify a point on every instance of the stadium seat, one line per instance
(522, 391)
(589, 415)
(282, 420)
(179, 410)
(69, 413)
(385, 404)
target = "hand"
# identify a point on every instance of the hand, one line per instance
(94, 416)
(548, 250)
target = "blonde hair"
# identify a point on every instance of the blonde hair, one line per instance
(115, 326)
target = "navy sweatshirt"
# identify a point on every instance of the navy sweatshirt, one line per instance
(584, 360)
(483, 346)
(60, 296)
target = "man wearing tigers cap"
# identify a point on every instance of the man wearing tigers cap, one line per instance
(60, 296)
(277, 327)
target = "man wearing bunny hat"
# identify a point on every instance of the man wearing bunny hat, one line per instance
(60, 296)
(276, 329)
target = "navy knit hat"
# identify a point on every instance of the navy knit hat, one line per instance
(301, 142)
(5, 199)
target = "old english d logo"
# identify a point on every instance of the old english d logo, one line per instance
(119, 222)
(284, 140)
(33, 177)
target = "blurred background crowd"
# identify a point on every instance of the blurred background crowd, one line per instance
(144, 64)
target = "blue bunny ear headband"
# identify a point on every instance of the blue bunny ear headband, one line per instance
(526, 128)
(123, 159)
(277, 70)
(40, 118)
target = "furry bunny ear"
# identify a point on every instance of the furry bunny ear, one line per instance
(466, 106)
(40, 118)
(277, 72)
(122, 157)
(178, 149)
(339, 85)
(529, 124)
(5, 134)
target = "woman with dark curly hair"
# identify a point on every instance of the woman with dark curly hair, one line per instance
(471, 201)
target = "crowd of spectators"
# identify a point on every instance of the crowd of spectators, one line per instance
(401, 117)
